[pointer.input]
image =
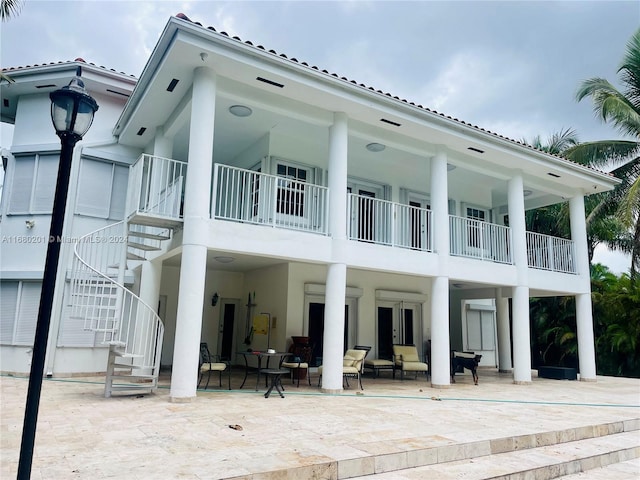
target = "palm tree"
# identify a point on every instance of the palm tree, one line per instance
(554, 219)
(622, 110)
(9, 8)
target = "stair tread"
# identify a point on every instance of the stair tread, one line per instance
(142, 246)
(150, 236)
(524, 460)
(133, 256)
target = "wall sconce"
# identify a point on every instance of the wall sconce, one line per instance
(214, 299)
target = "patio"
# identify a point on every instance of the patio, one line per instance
(403, 428)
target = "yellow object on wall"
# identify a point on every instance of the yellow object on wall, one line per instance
(260, 324)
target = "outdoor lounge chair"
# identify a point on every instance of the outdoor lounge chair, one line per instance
(406, 359)
(211, 363)
(352, 366)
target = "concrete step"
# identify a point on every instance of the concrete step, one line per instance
(557, 460)
(629, 470)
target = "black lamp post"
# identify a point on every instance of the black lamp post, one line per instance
(72, 110)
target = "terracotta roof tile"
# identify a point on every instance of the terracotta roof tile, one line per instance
(62, 62)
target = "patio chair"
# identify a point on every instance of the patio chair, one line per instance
(406, 359)
(297, 361)
(352, 366)
(211, 363)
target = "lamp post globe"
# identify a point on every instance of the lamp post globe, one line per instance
(72, 110)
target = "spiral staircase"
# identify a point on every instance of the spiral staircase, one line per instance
(102, 266)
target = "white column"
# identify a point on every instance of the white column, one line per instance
(440, 345)
(150, 276)
(504, 332)
(584, 312)
(337, 176)
(440, 208)
(184, 375)
(333, 347)
(336, 285)
(440, 341)
(521, 335)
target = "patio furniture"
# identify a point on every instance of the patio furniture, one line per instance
(211, 363)
(406, 359)
(274, 374)
(297, 361)
(377, 364)
(352, 366)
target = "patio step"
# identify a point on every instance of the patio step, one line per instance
(540, 456)
(540, 463)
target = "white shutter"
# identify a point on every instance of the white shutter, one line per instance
(21, 184)
(45, 184)
(9, 302)
(119, 192)
(28, 313)
(94, 188)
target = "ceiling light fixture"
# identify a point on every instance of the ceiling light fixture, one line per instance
(450, 167)
(224, 259)
(240, 110)
(527, 193)
(375, 147)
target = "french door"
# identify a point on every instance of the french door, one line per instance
(397, 323)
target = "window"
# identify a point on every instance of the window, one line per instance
(291, 189)
(475, 231)
(102, 189)
(19, 312)
(33, 184)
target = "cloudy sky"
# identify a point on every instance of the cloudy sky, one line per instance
(511, 67)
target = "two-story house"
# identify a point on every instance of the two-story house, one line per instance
(231, 181)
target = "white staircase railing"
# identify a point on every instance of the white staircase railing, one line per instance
(117, 316)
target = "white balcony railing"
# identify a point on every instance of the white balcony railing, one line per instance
(156, 187)
(482, 240)
(550, 253)
(388, 223)
(247, 196)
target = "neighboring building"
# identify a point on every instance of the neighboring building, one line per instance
(344, 213)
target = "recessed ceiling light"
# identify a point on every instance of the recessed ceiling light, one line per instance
(224, 259)
(240, 110)
(375, 147)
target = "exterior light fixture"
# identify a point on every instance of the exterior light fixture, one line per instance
(375, 147)
(526, 193)
(224, 259)
(240, 110)
(72, 111)
(214, 299)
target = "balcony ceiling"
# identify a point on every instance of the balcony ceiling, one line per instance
(303, 109)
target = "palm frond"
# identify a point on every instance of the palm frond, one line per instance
(602, 153)
(10, 8)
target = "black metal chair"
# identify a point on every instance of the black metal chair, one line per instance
(298, 360)
(212, 363)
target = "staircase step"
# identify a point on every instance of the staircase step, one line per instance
(543, 462)
(150, 236)
(133, 256)
(142, 246)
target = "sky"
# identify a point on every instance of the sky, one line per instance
(511, 67)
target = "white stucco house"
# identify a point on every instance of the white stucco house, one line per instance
(344, 213)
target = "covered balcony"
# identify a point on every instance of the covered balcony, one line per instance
(156, 190)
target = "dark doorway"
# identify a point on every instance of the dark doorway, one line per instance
(316, 330)
(385, 332)
(228, 318)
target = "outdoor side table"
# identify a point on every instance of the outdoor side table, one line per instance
(274, 374)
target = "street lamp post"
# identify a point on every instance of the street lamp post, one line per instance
(72, 110)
